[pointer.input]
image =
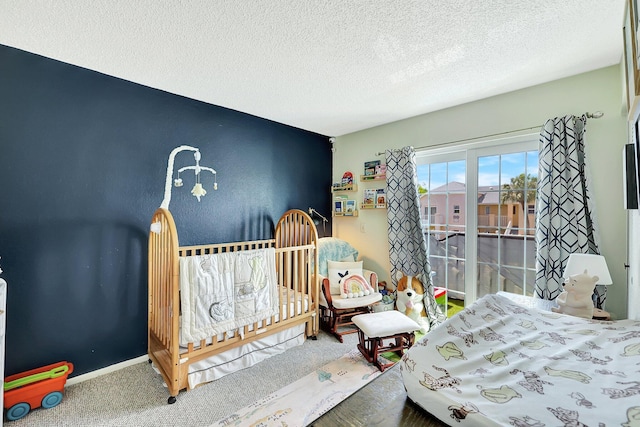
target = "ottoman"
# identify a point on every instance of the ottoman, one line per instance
(382, 332)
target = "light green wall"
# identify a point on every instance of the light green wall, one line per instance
(600, 90)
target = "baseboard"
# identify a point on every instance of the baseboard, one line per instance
(107, 370)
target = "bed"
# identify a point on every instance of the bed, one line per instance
(501, 363)
(292, 309)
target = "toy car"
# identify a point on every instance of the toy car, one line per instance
(38, 387)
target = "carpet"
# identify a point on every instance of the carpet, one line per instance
(305, 400)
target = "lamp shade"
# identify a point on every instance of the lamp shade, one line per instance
(594, 264)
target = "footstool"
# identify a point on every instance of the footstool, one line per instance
(384, 331)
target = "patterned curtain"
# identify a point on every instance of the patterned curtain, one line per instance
(407, 245)
(565, 217)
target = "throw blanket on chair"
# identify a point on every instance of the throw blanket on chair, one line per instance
(226, 291)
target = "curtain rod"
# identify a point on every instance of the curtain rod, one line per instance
(595, 115)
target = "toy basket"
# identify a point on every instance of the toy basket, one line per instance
(38, 387)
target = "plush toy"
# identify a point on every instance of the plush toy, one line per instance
(388, 292)
(575, 299)
(410, 294)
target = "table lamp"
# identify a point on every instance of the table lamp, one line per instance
(594, 264)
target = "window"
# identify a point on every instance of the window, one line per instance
(481, 240)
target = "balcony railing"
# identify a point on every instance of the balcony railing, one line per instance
(493, 221)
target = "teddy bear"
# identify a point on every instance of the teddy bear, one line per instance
(409, 300)
(575, 299)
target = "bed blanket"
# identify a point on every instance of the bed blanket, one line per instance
(498, 363)
(226, 291)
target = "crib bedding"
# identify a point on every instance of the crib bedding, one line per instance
(225, 291)
(301, 305)
(235, 359)
(499, 363)
(246, 355)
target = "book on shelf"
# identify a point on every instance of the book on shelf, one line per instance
(369, 196)
(381, 197)
(347, 178)
(370, 167)
(349, 207)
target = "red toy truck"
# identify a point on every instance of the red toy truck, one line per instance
(38, 387)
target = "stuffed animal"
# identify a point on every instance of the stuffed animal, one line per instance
(575, 299)
(409, 297)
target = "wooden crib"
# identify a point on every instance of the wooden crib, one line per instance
(295, 243)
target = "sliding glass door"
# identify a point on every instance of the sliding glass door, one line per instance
(478, 217)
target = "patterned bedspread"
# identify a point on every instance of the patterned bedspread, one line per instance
(500, 363)
(226, 291)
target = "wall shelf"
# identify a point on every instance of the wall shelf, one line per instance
(378, 177)
(345, 214)
(373, 205)
(339, 188)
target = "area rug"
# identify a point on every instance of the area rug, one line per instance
(303, 401)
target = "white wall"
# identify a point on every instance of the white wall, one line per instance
(600, 90)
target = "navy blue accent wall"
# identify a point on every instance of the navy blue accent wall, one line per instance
(83, 158)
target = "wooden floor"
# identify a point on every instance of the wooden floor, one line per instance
(382, 402)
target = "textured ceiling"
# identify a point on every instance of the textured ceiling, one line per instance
(332, 66)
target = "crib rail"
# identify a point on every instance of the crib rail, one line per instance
(163, 320)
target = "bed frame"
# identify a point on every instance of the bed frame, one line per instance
(295, 242)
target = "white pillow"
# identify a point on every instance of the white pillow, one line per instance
(355, 286)
(339, 270)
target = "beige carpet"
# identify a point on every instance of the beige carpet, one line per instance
(136, 396)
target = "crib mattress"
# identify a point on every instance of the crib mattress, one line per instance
(498, 363)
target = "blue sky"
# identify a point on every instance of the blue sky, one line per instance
(492, 170)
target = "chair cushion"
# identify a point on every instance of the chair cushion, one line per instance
(384, 324)
(342, 303)
(339, 270)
